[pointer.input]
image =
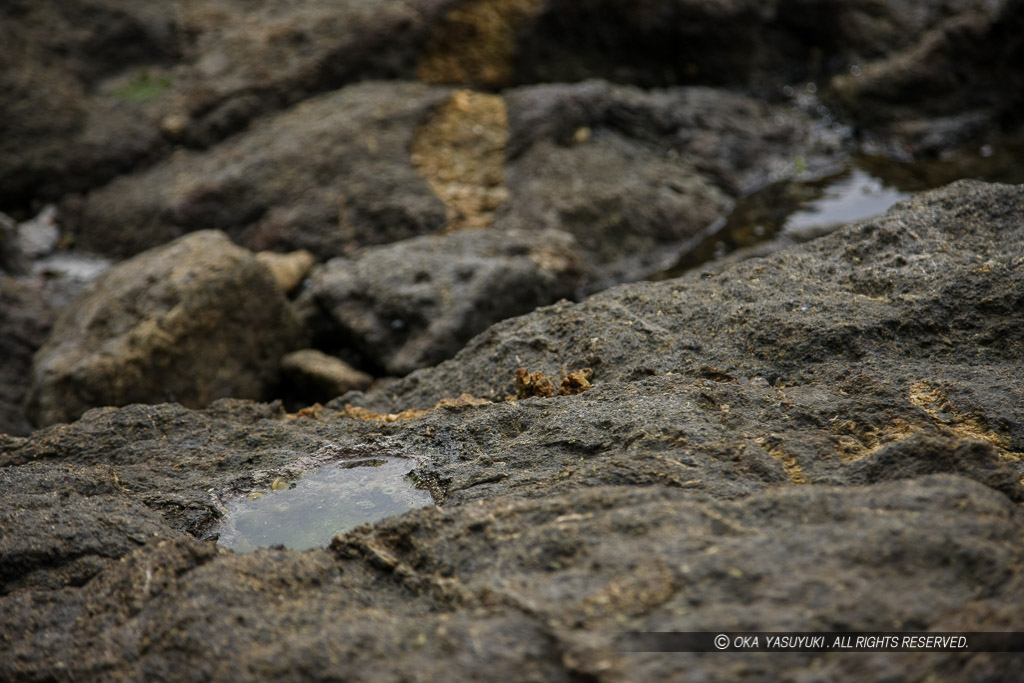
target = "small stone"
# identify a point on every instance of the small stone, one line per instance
(288, 269)
(320, 376)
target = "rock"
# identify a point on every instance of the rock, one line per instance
(460, 151)
(12, 260)
(263, 56)
(819, 440)
(72, 521)
(824, 437)
(953, 85)
(548, 586)
(288, 270)
(125, 83)
(318, 377)
(875, 284)
(500, 43)
(415, 303)
(25, 320)
(635, 175)
(327, 176)
(61, 132)
(196, 320)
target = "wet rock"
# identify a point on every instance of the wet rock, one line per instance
(415, 303)
(499, 43)
(316, 376)
(25, 319)
(548, 586)
(824, 440)
(328, 175)
(955, 84)
(634, 174)
(196, 320)
(71, 522)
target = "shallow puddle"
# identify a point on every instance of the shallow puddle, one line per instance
(850, 196)
(867, 187)
(309, 511)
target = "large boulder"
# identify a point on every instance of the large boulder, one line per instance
(93, 88)
(417, 302)
(193, 321)
(25, 318)
(959, 82)
(329, 175)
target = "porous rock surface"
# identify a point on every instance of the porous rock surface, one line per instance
(192, 321)
(829, 438)
(417, 302)
(842, 454)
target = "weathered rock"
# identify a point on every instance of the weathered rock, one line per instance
(328, 175)
(71, 521)
(316, 376)
(731, 468)
(196, 320)
(499, 43)
(547, 586)
(634, 174)
(415, 303)
(57, 133)
(95, 87)
(254, 57)
(289, 269)
(941, 269)
(828, 438)
(954, 84)
(25, 319)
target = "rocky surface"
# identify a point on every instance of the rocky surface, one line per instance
(827, 438)
(193, 321)
(415, 303)
(749, 458)
(954, 84)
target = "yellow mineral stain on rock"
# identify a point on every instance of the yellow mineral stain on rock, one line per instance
(789, 464)
(935, 401)
(360, 413)
(857, 440)
(475, 43)
(460, 152)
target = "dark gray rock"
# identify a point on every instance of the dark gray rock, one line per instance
(823, 440)
(98, 87)
(71, 522)
(760, 44)
(636, 174)
(737, 142)
(25, 319)
(547, 587)
(316, 376)
(327, 176)
(934, 275)
(193, 321)
(57, 133)
(957, 83)
(415, 303)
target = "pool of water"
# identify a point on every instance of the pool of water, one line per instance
(868, 186)
(307, 512)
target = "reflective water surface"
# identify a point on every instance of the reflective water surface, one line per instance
(309, 511)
